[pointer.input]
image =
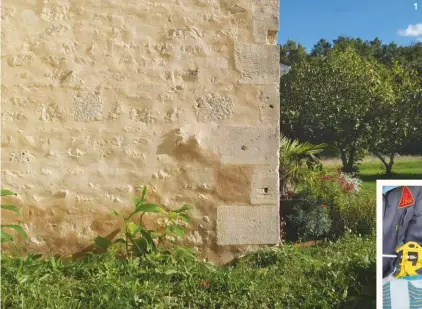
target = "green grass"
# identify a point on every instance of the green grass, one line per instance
(337, 275)
(327, 276)
(371, 169)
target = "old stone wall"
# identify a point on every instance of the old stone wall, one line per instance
(100, 97)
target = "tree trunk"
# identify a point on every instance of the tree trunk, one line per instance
(343, 157)
(348, 160)
(387, 165)
(389, 169)
(351, 163)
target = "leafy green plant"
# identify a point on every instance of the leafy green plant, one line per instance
(348, 208)
(334, 99)
(139, 241)
(311, 220)
(297, 163)
(6, 237)
(329, 190)
(359, 214)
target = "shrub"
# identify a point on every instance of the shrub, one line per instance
(359, 214)
(310, 220)
(347, 208)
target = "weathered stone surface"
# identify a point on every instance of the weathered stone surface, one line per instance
(244, 225)
(265, 24)
(51, 112)
(213, 107)
(21, 60)
(269, 104)
(234, 183)
(87, 106)
(248, 145)
(102, 97)
(146, 115)
(185, 33)
(256, 63)
(264, 185)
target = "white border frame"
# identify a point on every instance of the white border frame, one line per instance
(380, 184)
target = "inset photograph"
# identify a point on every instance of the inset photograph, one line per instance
(400, 214)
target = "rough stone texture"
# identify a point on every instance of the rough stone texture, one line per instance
(265, 24)
(269, 104)
(101, 97)
(213, 108)
(248, 145)
(265, 184)
(87, 107)
(256, 63)
(242, 225)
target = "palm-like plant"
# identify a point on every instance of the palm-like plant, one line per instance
(297, 163)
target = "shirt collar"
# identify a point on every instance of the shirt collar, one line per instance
(385, 189)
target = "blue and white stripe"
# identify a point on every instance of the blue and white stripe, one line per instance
(404, 293)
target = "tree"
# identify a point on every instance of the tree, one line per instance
(363, 48)
(291, 53)
(401, 118)
(408, 57)
(335, 99)
(322, 48)
(412, 57)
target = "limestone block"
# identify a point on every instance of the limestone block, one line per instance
(269, 104)
(265, 183)
(86, 106)
(213, 107)
(248, 145)
(265, 24)
(236, 7)
(259, 64)
(215, 62)
(272, 3)
(245, 225)
(234, 183)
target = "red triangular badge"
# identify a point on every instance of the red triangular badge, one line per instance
(406, 198)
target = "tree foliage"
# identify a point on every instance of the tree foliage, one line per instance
(400, 119)
(291, 53)
(359, 80)
(335, 99)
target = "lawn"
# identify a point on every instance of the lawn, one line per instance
(333, 275)
(371, 169)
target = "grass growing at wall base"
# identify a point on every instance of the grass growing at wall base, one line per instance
(339, 275)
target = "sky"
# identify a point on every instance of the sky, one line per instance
(307, 21)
